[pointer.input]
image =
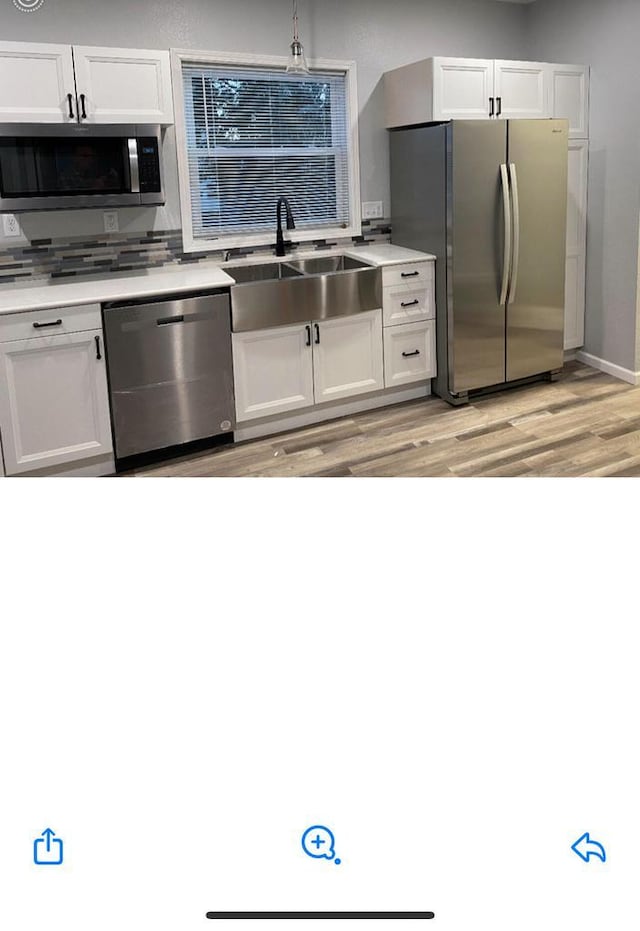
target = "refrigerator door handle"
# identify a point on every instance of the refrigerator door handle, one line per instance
(506, 260)
(515, 200)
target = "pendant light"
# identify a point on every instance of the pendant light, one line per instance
(297, 63)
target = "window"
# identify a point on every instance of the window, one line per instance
(250, 134)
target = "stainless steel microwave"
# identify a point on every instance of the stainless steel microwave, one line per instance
(50, 167)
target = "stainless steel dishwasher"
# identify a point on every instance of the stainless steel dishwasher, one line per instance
(170, 371)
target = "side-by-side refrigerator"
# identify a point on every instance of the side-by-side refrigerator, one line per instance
(489, 199)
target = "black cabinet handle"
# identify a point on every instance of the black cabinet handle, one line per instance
(407, 355)
(308, 329)
(409, 274)
(43, 326)
(492, 108)
(499, 102)
(84, 109)
(72, 115)
(98, 351)
(409, 303)
(317, 334)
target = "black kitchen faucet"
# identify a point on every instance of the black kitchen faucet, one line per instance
(291, 224)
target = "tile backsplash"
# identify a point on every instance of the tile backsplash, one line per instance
(77, 256)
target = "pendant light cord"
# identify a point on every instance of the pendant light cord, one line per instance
(295, 21)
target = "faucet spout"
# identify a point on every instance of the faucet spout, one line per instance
(291, 225)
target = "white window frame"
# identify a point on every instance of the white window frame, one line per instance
(263, 237)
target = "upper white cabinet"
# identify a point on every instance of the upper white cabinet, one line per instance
(475, 88)
(569, 86)
(36, 83)
(65, 84)
(123, 85)
(520, 90)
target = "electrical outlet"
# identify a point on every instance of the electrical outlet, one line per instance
(372, 210)
(10, 225)
(111, 222)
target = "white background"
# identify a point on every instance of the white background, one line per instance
(193, 672)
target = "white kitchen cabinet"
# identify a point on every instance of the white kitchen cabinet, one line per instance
(35, 81)
(576, 243)
(54, 405)
(409, 353)
(570, 97)
(273, 371)
(41, 83)
(474, 88)
(117, 85)
(348, 356)
(521, 90)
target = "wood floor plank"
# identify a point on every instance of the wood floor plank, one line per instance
(587, 423)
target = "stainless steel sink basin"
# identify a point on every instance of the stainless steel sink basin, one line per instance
(299, 291)
(326, 263)
(270, 271)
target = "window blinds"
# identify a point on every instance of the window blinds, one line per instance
(254, 135)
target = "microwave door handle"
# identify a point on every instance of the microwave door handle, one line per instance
(513, 175)
(506, 259)
(134, 167)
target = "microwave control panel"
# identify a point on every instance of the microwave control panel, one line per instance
(149, 165)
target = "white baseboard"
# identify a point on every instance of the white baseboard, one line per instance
(324, 412)
(627, 375)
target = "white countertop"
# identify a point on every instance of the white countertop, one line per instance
(44, 294)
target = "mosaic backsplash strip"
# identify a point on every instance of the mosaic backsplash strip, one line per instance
(72, 258)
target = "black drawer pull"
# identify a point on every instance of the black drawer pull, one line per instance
(491, 106)
(499, 102)
(43, 326)
(166, 321)
(72, 115)
(409, 303)
(317, 334)
(98, 351)
(84, 109)
(308, 329)
(407, 355)
(409, 274)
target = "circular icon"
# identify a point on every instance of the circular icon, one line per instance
(28, 6)
(225, 425)
(319, 843)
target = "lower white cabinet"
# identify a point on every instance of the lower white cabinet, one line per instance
(409, 353)
(285, 368)
(273, 371)
(54, 404)
(347, 356)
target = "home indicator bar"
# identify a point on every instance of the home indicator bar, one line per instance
(395, 916)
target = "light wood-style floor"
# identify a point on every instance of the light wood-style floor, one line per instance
(587, 423)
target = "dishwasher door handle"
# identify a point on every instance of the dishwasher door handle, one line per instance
(167, 321)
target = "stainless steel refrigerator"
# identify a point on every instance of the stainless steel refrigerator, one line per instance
(489, 199)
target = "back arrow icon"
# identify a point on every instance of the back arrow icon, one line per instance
(587, 848)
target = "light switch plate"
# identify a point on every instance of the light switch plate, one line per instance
(372, 210)
(10, 225)
(111, 222)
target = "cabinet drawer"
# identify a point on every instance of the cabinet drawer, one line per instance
(35, 323)
(413, 273)
(409, 353)
(407, 303)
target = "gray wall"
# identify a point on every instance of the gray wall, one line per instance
(378, 34)
(605, 36)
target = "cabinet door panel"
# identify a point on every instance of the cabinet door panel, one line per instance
(273, 371)
(462, 88)
(54, 405)
(570, 97)
(347, 356)
(409, 353)
(124, 85)
(576, 243)
(34, 82)
(522, 90)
